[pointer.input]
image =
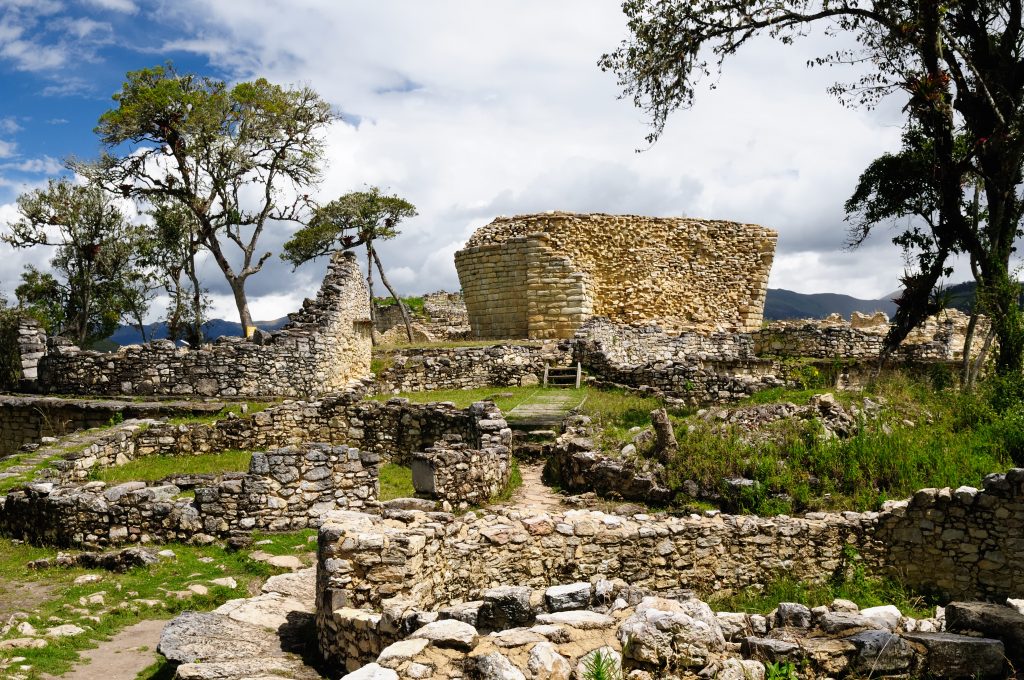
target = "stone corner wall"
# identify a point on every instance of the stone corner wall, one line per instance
(543, 275)
(324, 348)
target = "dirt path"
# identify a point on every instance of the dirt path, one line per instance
(534, 495)
(122, 657)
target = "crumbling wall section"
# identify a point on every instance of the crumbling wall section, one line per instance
(684, 274)
(324, 347)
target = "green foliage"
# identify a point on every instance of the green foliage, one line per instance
(353, 220)
(195, 144)
(10, 354)
(601, 665)
(97, 279)
(955, 439)
(413, 303)
(395, 482)
(781, 670)
(154, 468)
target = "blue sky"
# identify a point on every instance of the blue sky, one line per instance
(470, 110)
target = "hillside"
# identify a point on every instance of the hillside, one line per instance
(785, 304)
(129, 335)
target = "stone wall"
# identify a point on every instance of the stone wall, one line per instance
(444, 317)
(288, 488)
(542, 276)
(461, 475)
(964, 543)
(451, 368)
(27, 419)
(394, 430)
(380, 576)
(323, 348)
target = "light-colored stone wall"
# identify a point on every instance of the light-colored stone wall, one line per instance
(324, 347)
(541, 276)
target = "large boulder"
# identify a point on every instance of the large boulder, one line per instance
(961, 656)
(670, 634)
(506, 607)
(991, 620)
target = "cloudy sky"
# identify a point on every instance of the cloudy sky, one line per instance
(470, 110)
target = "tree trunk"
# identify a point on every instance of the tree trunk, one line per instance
(242, 303)
(374, 340)
(665, 445)
(196, 335)
(966, 364)
(401, 305)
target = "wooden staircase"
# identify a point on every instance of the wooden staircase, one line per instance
(568, 377)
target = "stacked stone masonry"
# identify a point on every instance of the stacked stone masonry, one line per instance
(542, 276)
(322, 349)
(284, 489)
(452, 368)
(379, 578)
(461, 475)
(444, 317)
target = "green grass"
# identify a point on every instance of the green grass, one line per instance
(863, 590)
(395, 482)
(953, 441)
(192, 565)
(413, 303)
(505, 398)
(153, 468)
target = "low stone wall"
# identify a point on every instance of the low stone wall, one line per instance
(452, 368)
(444, 317)
(394, 430)
(323, 348)
(461, 475)
(377, 577)
(964, 543)
(374, 574)
(289, 488)
(27, 419)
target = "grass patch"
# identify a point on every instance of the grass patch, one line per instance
(413, 303)
(153, 468)
(505, 398)
(923, 438)
(395, 482)
(142, 593)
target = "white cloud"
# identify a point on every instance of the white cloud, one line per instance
(45, 165)
(124, 6)
(7, 149)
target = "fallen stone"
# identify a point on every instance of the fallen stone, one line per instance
(770, 650)
(880, 652)
(793, 614)
(401, 651)
(269, 610)
(739, 669)
(22, 643)
(495, 666)
(505, 607)
(226, 582)
(66, 630)
(207, 637)
(961, 656)
(992, 621)
(448, 633)
(668, 633)
(545, 663)
(886, 616)
(300, 585)
(834, 623)
(582, 619)
(734, 625)
(567, 597)
(467, 612)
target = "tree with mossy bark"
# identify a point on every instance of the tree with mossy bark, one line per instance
(357, 219)
(237, 158)
(960, 68)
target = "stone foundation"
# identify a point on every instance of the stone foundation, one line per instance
(324, 347)
(461, 475)
(289, 488)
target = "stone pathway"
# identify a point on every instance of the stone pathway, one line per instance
(534, 495)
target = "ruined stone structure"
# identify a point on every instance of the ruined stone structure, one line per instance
(443, 317)
(542, 276)
(380, 578)
(323, 348)
(284, 489)
(455, 368)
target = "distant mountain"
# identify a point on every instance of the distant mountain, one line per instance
(785, 304)
(961, 296)
(214, 328)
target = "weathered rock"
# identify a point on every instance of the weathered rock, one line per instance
(568, 597)
(886, 616)
(194, 637)
(582, 619)
(449, 633)
(793, 614)
(270, 610)
(65, 630)
(401, 651)
(495, 666)
(505, 607)
(991, 620)
(770, 650)
(545, 663)
(880, 652)
(961, 656)
(666, 633)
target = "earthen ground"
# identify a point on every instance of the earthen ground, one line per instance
(122, 657)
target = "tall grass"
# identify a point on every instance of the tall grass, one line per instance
(154, 468)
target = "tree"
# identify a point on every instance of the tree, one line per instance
(358, 218)
(236, 158)
(99, 279)
(960, 67)
(173, 246)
